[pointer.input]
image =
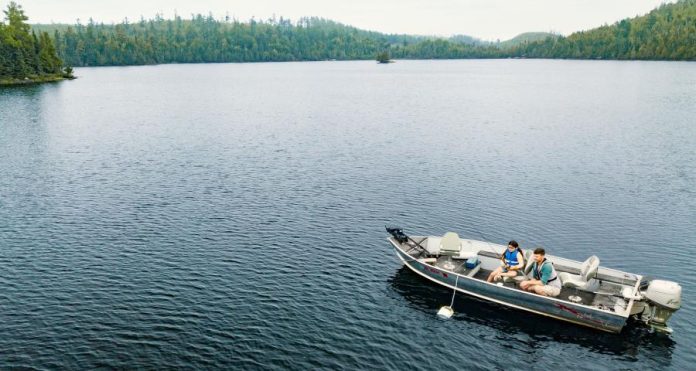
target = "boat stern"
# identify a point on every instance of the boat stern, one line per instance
(662, 299)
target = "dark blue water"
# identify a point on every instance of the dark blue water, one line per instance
(219, 216)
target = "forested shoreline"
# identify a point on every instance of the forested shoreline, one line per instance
(203, 39)
(666, 33)
(26, 57)
(40, 51)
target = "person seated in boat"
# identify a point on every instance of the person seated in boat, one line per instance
(544, 277)
(512, 262)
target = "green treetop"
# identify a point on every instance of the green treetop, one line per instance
(24, 55)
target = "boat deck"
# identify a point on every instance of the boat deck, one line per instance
(607, 297)
(588, 298)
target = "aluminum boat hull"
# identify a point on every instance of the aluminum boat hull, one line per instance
(546, 306)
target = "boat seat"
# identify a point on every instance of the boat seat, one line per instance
(468, 251)
(450, 244)
(529, 261)
(585, 281)
(433, 245)
(522, 275)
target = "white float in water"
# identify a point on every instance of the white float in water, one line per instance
(447, 311)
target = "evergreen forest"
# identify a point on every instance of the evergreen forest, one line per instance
(24, 55)
(666, 33)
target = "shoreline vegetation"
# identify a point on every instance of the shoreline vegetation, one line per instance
(34, 80)
(666, 33)
(37, 52)
(25, 56)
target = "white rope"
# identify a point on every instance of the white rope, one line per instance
(455, 290)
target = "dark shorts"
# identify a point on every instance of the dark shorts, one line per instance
(505, 270)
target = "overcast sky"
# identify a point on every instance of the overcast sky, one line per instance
(486, 19)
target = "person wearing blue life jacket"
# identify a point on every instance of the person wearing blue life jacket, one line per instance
(544, 277)
(512, 261)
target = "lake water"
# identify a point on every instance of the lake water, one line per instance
(232, 215)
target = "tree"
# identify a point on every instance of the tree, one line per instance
(23, 54)
(49, 62)
(383, 57)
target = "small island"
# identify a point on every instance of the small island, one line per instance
(25, 57)
(384, 58)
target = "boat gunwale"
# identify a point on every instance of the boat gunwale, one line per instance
(552, 299)
(612, 272)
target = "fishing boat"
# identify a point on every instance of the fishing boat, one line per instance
(591, 295)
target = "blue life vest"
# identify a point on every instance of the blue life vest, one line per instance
(510, 257)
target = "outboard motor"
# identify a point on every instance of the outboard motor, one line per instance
(401, 237)
(663, 298)
(397, 233)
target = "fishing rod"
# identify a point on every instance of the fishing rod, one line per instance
(502, 255)
(485, 239)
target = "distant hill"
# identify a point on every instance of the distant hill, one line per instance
(466, 39)
(50, 28)
(526, 37)
(666, 33)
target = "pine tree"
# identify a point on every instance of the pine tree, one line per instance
(23, 54)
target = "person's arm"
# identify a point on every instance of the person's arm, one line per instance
(533, 281)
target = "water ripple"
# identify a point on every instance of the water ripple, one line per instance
(239, 224)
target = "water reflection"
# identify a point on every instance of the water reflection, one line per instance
(529, 328)
(23, 121)
(29, 89)
(124, 173)
(22, 104)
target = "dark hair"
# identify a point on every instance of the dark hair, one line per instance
(540, 251)
(513, 243)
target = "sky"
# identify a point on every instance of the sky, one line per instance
(485, 19)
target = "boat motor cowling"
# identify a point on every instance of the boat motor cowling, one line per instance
(664, 298)
(664, 293)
